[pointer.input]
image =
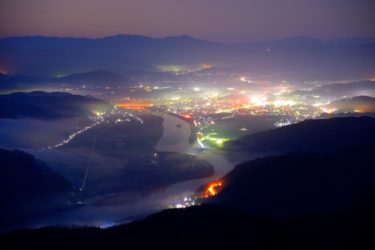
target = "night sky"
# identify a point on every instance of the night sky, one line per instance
(218, 20)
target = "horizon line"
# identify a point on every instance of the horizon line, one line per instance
(185, 35)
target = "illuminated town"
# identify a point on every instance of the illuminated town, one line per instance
(204, 107)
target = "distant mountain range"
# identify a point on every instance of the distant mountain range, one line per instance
(91, 78)
(342, 90)
(299, 58)
(94, 77)
(53, 105)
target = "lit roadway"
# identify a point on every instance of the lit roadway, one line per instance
(84, 181)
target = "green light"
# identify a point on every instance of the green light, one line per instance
(215, 140)
(219, 141)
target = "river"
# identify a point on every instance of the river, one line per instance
(175, 138)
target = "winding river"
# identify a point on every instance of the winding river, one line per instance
(175, 138)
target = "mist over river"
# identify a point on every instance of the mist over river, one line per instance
(110, 208)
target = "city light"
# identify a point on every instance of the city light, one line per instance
(258, 100)
(214, 139)
(135, 104)
(98, 113)
(328, 110)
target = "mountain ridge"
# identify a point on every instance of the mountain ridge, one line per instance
(296, 57)
(317, 136)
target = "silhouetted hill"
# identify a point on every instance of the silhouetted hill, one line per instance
(297, 58)
(358, 104)
(94, 77)
(26, 186)
(23, 177)
(207, 227)
(43, 105)
(299, 184)
(310, 136)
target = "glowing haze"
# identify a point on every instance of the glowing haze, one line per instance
(220, 20)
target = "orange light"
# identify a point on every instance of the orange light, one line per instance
(135, 104)
(213, 189)
(206, 66)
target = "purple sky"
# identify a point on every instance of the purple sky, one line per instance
(219, 20)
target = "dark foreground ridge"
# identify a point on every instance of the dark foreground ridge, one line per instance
(207, 227)
(299, 184)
